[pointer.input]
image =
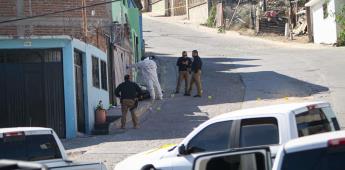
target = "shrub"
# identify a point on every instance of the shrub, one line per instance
(211, 18)
(340, 18)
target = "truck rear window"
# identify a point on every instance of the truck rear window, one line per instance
(29, 148)
(315, 121)
(317, 159)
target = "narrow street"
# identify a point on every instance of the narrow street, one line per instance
(239, 72)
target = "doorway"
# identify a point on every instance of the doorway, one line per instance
(79, 88)
(32, 89)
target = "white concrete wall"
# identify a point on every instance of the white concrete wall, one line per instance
(325, 30)
(199, 14)
(159, 8)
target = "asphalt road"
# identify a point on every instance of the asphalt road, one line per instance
(239, 72)
(272, 72)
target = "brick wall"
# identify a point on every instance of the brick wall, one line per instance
(67, 23)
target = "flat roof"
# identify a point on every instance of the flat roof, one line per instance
(23, 129)
(312, 141)
(273, 109)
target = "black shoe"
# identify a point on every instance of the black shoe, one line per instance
(197, 96)
(186, 94)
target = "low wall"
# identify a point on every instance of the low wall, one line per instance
(159, 8)
(199, 13)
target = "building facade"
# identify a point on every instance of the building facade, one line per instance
(323, 25)
(59, 63)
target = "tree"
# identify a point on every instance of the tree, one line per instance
(340, 18)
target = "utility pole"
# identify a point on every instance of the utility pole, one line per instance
(84, 17)
(187, 9)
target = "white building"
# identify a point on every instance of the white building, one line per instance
(322, 16)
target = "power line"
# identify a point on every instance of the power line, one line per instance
(57, 12)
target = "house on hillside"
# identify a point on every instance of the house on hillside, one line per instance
(54, 69)
(323, 26)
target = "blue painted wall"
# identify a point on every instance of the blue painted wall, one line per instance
(91, 94)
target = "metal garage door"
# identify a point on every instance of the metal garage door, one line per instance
(31, 89)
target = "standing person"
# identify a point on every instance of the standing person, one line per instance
(196, 74)
(149, 71)
(128, 93)
(183, 64)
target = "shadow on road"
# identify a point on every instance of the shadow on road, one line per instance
(223, 89)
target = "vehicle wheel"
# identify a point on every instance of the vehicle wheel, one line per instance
(148, 167)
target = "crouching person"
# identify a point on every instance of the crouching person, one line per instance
(128, 92)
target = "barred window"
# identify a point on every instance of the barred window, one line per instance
(95, 72)
(104, 75)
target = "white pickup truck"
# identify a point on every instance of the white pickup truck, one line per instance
(316, 152)
(39, 145)
(271, 125)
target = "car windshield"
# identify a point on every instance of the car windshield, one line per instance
(29, 148)
(316, 159)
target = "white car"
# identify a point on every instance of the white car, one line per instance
(40, 146)
(271, 125)
(317, 152)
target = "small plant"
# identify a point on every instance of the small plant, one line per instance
(100, 106)
(221, 29)
(340, 18)
(211, 18)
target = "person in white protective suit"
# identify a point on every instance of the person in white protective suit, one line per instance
(148, 70)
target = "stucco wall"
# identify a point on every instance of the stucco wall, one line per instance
(92, 95)
(159, 8)
(199, 14)
(325, 29)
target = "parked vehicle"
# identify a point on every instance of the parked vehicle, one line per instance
(316, 152)
(40, 145)
(19, 165)
(271, 125)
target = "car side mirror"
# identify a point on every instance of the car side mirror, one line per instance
(182, 150)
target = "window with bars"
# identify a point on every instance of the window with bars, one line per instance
(104, 75)
(95, 72)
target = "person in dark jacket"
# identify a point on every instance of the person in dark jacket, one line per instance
(183, 64)
(128, 92)
(196, 74)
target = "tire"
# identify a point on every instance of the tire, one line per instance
(148, 167)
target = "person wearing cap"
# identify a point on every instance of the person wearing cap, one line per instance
(183, 64)
(128, 92)
(196, 74)
(148, 69)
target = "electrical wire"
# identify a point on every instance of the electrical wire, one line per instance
(57, 12)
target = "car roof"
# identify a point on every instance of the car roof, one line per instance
(23, 129)
(273, 109)
(312, 141)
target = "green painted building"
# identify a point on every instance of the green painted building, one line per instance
(127, 13)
